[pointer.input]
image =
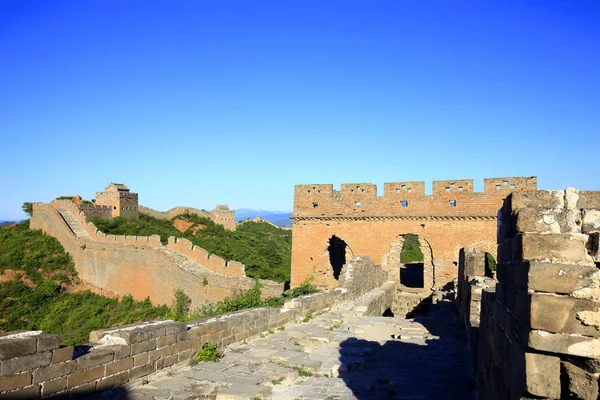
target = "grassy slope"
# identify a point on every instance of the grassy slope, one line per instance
(38, 300)
(263, 248)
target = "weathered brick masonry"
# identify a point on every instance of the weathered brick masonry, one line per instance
(454, 217)
(540, 327)
(33, 365)
(141, 265)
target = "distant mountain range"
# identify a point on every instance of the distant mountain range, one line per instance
(3, 223)
(279, 218)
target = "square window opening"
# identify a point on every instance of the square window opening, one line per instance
(513, 186)
(409, 190)
(315, 205)
(447, 189)
(404, 203)
(498, 187)
(460, 189)
(358, 204)
(505, 183)
(452, 203)
(397, 190)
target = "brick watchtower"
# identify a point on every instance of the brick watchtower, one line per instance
(123, 202)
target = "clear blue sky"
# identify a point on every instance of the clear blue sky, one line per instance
(202, 103)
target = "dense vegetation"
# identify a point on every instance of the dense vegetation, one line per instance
(263, 248)
(411, 249)
(37, 297)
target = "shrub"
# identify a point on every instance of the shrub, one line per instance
(207, 353)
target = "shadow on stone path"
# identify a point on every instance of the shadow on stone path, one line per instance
(331, 356)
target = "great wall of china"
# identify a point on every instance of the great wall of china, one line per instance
(139, 265)
(533, 327)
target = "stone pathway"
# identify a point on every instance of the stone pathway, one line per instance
(332, 356)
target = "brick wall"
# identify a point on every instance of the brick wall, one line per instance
(32, 364)
(142, 266)
(540, 328)
(370, 224)
(220, 215)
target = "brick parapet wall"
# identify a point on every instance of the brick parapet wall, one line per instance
(318, 200)
(142, 266)
(223, 217)
(540, 328)
(33, 365)
(182, 246)
(321, 212)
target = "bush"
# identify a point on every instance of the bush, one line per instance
(411, 249)
(265, 250)
(207, 353)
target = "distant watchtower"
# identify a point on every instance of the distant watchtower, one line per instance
(123, 202)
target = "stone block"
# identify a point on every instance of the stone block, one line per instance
(159, 353)
(176, 328)
(142, 347)
(563, 343)
(98, 356)
(112, 381)
(119, 351)
(28, 392)
(542, 375)
(539, 199)
(141, 359)
(83, 391)
(166, 340)
(62, 354)
(555, 248)
(562, 314)
(578, 383)
(590, 221)
(82, 377)
(25, 363)
(53, 371)
(185, 355)
(165, 362)
(140, 371)
(47, 342)
(556, 278)
(54, 386)
(589, 200)
(11, 348)
(15, 381)
(119, 366)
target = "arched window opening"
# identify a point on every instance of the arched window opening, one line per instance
(337, 255)
(411, 256)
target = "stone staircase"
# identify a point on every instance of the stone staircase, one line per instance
(184, 262)
(73, 224)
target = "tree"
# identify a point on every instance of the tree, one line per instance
(27, 208)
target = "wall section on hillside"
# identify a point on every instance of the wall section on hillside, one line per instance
(126, 265)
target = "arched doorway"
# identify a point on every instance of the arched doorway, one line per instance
(337, 249)
(409, 262)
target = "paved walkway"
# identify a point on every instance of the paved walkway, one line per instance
(332, 356)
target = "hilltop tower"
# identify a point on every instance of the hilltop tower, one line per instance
(117, 196)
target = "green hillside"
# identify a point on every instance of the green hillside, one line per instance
(37, 297)
(264, 249)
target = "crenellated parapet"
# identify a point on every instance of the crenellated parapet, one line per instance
(220, 215)
(449, 198)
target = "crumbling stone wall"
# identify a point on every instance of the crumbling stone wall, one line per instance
(33, 365)
(540, 328)
(142, 266)
(454, 217)
(220, 215)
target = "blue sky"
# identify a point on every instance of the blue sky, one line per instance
(208, 102)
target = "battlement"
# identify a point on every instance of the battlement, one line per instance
(450, 197)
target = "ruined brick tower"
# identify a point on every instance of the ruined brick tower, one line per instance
(331, 225)
(117, 196)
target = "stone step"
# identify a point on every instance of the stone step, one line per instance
(73, 224)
